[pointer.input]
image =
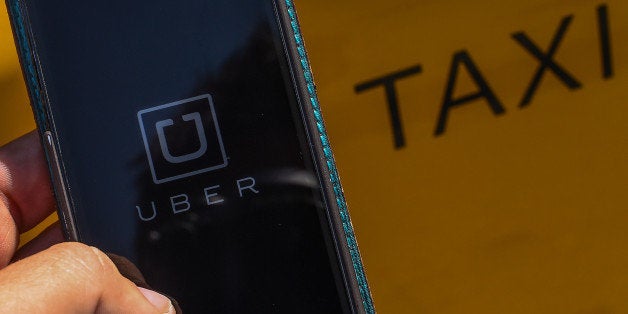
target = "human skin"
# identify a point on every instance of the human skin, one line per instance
(47, 275)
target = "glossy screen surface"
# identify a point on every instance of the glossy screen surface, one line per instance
(184, 150)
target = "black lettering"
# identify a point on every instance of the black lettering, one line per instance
(605, 41)
(388, 81)
(546, 60)
(463, 58)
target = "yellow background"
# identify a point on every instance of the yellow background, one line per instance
(521, 213)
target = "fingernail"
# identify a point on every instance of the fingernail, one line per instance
(161, 302)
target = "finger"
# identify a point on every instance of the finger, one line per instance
(25, 193)
(73, 278)
(131, 272)
(49, 237)
(25, 182)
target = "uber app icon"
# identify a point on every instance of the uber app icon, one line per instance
(182, 139)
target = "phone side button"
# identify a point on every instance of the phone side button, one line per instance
(63, 201)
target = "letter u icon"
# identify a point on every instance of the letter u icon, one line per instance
(141, 215)
(161, 125)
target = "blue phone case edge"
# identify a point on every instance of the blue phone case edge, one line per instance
(331, 163)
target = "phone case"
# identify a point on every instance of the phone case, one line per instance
(310, 108)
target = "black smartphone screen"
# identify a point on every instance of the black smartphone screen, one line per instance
(184, 150)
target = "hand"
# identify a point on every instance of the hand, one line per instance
(46, 277)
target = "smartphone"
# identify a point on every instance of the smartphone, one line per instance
(187, 137)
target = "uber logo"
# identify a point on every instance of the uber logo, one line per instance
(182, 139)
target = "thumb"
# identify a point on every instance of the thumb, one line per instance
(74, 278)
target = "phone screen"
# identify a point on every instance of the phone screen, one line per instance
(184, 150)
